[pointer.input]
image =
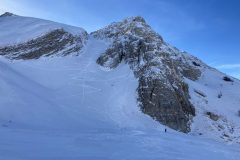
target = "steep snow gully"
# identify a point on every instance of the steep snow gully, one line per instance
(67, 94)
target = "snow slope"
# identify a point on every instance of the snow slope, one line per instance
(18, 29)
(226, 107)
(110, 145)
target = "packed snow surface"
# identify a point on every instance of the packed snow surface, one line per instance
(110, 145)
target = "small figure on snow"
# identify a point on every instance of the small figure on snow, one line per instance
(165, 130)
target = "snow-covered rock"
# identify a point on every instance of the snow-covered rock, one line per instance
(160, 69)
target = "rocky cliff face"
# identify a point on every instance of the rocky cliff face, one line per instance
(160, 69)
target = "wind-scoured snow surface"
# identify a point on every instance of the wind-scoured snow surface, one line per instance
(70, 108)
(221, 98)
(17, 29)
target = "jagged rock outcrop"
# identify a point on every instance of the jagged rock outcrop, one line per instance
(6, 14)
(213, 116)
(160, 69)
(55, 42)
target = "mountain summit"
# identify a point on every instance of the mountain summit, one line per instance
(7, 14)
(159, 68)
(124, 74)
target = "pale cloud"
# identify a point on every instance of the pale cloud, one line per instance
(230, 69)
(229, 66)
(236, 76)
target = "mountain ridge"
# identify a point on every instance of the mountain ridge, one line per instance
(170, 82)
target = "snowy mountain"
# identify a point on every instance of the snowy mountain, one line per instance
(22, 36)
(109, 95)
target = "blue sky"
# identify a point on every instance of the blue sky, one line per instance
(208, 29)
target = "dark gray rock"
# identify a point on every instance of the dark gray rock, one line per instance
(227, 79)
(213, 116)
(55, 42)
(7, 14)
(200, 93)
